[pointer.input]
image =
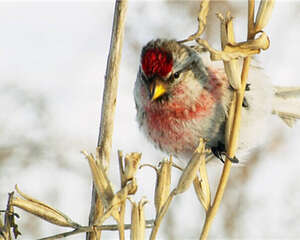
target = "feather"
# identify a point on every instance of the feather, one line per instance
(287, 92)
(286, 105)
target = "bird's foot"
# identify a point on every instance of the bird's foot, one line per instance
(219, 152)
(248, 86)
(245, 103)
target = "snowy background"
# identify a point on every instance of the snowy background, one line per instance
(52, 65)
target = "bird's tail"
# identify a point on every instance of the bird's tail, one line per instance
(286, 104)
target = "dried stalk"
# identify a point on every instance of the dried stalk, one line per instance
(123, 204)
(234, 134)
(108, 106)
(113, 227)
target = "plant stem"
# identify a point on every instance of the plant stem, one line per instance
(149, 224)
(108, 106)
(233, 141)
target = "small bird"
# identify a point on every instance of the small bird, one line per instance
(180, 98)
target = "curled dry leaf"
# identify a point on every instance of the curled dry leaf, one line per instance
(42, 210)
(163, 183)
(191, 169)
(263, 14)
(138, 223)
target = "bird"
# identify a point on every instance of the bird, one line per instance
(180, 97)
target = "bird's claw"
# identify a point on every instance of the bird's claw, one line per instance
(219, 152)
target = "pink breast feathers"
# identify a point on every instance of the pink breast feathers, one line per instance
(167, 123)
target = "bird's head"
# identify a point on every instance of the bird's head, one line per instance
(163, 64)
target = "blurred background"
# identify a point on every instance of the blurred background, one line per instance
(52, 64)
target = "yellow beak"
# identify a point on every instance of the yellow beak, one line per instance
(157, 88)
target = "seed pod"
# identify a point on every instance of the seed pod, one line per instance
(42, 210)
(231, 67)
(132, 161)
(191, 169)
(138, 223)
(201, 185)
(101, 181)
(263, 14)
(163, 183)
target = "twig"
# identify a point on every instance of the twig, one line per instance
(204, 8)
(109, 104)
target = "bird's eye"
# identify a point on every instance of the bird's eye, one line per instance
(176, 75)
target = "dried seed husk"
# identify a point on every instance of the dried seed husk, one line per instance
(191, 169)
(42, 211)
(263, 14)
(101, 181)
(200, 194)
(201, 185)
(163, 183)
(231, 67)
(132, 161)
(138, 223)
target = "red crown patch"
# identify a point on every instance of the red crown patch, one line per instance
(157, 61)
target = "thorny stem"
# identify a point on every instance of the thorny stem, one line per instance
(234, 132)
(109, 104)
